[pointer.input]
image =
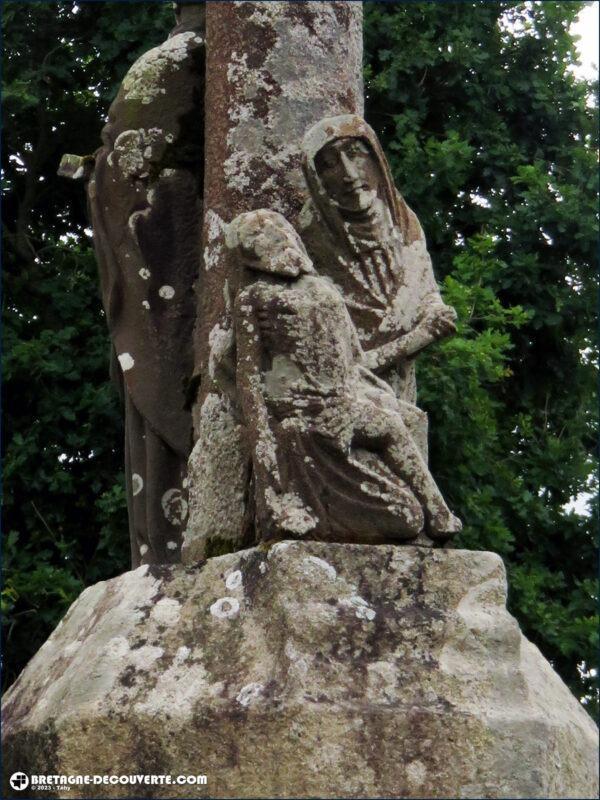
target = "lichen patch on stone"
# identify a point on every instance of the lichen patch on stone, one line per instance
(234, 580)
(166, 611)
(166, 292)
(360, 607)
(249, 694)
(126, 361)
(225, 608)
(322, 565)
(174, 506)
(137, 484)
(144, 81)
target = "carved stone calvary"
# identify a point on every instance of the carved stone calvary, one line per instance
(344, 458)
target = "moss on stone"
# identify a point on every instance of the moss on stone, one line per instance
(217, 546)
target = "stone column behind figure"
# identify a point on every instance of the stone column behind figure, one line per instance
(145, 199)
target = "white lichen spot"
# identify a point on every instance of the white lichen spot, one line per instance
(170, 139)
(262, 567)
(126, 361)
(143, 549)
(322, 565)
(174, 506)
(416, 772)
(237, 170)
(279, 548)
(237, 67)
(241, 113)
(129, 152)
(166, 611)
(144, 273)
(249, 694)
(234, 580)
(146, 305)
(361, 608)
(225, 608)
(182, 654)
(221, 340)
(289, 510)
(171, 545)
(215, 225)
(137, 484)
(166, 292)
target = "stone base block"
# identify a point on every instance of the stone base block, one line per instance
(308, 670)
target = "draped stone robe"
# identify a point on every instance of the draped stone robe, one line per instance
(145, 198)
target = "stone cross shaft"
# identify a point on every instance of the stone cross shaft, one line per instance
(273, 69)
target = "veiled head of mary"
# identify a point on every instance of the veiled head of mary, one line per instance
(346, 170)
(349, 173)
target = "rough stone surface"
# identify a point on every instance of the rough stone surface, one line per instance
(308, 669)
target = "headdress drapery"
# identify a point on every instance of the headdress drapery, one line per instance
(351, 126)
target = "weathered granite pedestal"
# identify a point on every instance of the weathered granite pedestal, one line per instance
(309, 670)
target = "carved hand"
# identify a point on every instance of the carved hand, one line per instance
(438, 320)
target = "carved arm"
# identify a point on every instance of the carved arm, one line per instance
(437, 322)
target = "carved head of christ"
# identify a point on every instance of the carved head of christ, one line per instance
(349, 173)
(266, 242)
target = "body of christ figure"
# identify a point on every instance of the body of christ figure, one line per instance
(332, 456)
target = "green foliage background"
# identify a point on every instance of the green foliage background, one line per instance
(492, 141)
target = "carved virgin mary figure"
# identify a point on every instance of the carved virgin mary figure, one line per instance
(332, 457)
(361, 233)
(145, 200)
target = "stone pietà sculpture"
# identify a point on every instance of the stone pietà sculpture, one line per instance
(145, 198)
(332, 456)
